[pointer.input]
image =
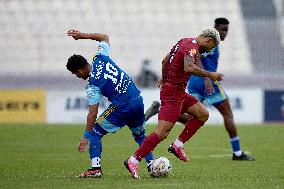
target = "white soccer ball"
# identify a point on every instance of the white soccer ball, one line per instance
(160, 167)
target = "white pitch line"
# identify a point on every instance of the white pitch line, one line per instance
(220, 155)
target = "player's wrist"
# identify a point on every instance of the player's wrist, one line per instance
(208, 75)
(87, 134)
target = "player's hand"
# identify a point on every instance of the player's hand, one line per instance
(76, 34)
(216, 76)
(83, 144)
(160, 83)
(209, 89)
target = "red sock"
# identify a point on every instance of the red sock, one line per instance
(147, 146)
(190, 129)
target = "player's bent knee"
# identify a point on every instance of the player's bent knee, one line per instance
(163, 136)
(204, 115)
(163, 129)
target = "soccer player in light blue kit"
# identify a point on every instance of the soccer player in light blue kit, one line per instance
(212, 92)
(107, 79)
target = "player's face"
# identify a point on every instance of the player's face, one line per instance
(223, 30)
(210, 43)
(81, 74)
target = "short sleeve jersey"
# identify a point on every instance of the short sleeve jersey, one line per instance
(174, 71)
(107, 79)
(210, 60)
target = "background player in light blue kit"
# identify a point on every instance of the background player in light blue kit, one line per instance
(107, 79)
(212, 92)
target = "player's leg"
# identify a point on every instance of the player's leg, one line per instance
(152, 110)
(225, 109)
(139, 136)
(135, 122)
(220, 101)
(110, 121)
(168, 115)
(101, 128)
(147, 146)
(185, 117)
(196, 115)
(95, 151)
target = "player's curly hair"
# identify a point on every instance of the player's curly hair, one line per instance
(221, 20)
(212, 33)
(76, 62)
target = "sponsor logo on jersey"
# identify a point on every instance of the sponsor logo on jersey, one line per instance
(192, 52)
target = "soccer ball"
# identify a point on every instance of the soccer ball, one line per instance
(160, 167)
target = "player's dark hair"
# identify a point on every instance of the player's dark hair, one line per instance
(76, 62)
(221, 20)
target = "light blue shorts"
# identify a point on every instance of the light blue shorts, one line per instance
(113, 119)
(214, 99)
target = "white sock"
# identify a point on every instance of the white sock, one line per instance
(133, 160)
(178, 143)
(238, 153)
(96, 162)
(235, 138)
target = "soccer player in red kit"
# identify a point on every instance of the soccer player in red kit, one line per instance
(177, 66)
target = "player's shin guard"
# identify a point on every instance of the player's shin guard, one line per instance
(190, 129)
(147, 146)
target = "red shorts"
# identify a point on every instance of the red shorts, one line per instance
(174, 101)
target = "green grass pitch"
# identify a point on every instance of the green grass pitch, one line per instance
(45, 156)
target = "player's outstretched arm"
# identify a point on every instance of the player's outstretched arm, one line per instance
(189, 66)
(91, 119)
(76, 34)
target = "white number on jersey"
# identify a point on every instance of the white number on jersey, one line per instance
(112, 74)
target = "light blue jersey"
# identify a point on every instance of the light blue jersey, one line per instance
(109, 80)
(196, 85)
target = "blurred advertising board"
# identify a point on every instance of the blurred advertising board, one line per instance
(72, 107)
(69, 107)
(246, 104)
(274, 106)
(22, 106)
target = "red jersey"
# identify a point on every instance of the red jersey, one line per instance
(174, 71)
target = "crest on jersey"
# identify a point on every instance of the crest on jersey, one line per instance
(192, 52)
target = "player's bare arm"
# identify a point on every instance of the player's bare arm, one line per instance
(92, 116)
(164, 62)
(189, 66)
(76, 34)
(209, 89)
(91, 119)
